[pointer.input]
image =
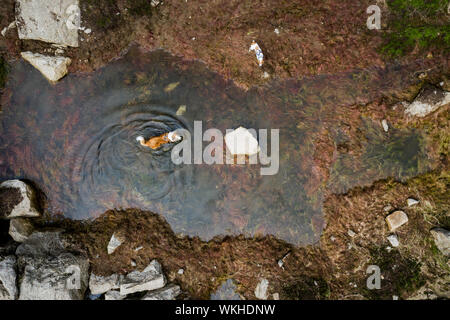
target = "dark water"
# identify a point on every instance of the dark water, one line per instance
(76, 141)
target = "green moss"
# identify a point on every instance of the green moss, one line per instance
(414, 23)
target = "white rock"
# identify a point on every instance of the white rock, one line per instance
(181, 110)
(115, 242)
(393, 240)
(276, 296)
(8, 289)
(169, 292)
(64, 277)
(180, 271)
(100, 284)
(241, 142)
(277, 31)
(114, 295)
(385, 125)
(87, 31)
(442, 240)
(52, 68)
(351, 233)
(27, 207)
(154, 3)
(149, 279)
(428, 101)
(396, 219)
(10, 26)
(53, 21)
(411, 202)
(20, 229)
(261, 289)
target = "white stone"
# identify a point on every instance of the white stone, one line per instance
(351, 233)
(115, 242)
(396, 219)
(180, 271)
(100, 284)
(385, 125)
(181, 110)
(169, 292)
(241, 142)
(8, 289)
(27, 207)
(411, 202)
(20, 229)
(52, 68)
(53, 21)
(154, 3)
(276, 296)
(64, 277)
(114, 295)
(277, 31)
(393, 240)
(149, 279)
(10, 26)
(87, 31)
(427, 102)
(442, 240)
(261, 289)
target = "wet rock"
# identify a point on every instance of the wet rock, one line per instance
(428, 101)
(442, 240)
(169, 292)
(411, 202)
(17, 204)
(393, 240)
(261, 289)
(50, 272)
(226, 291)
(52, 68)
(396, 220)
(151, 278)
(241, 142)
(8, 289)
(114, 295)
(20, 229)
(181, 110)
(53, 21)
(115, 242)
(100, 284)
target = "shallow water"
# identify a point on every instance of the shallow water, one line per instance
(76, 141)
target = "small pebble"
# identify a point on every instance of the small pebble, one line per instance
(393, 240)
(180, 271)
(411, 202)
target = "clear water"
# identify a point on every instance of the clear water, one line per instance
(76, 141)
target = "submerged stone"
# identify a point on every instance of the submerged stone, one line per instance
(53, 68)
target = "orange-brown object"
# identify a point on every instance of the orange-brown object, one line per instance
(155, 142)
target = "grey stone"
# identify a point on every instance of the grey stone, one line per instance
(53, 21)
(114, 295)
(20, 229)
(169, 292)
(149, 279)
(64, 277)
(442, 240)
(100, 284)
(52, 68)
(396, 220)
(42, 244)
(8, 289)
(428, 101)
(25, 208)
(115, 242)
(261, 289)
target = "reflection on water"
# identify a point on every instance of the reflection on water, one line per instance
(77, 141)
